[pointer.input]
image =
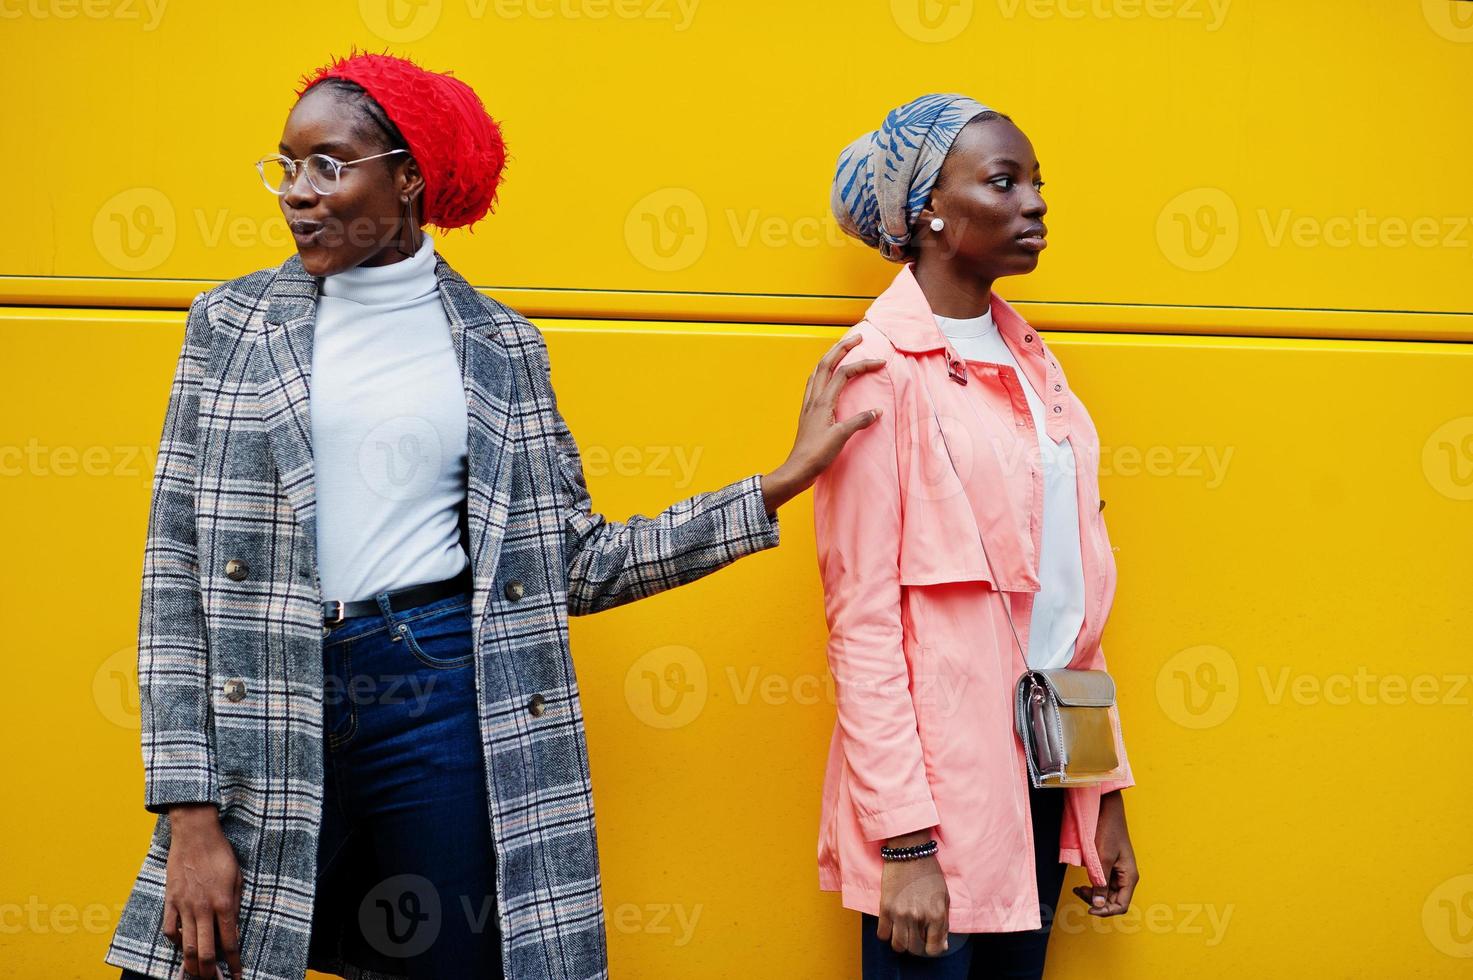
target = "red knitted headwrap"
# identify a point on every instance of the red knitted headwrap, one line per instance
(456, 143)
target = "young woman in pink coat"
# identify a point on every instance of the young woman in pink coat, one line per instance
(980, 441)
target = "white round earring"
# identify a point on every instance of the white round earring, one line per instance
(937, 224)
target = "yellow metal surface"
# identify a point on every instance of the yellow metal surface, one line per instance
(1289, 639)
(1205, 153)
(833, 310)
(1259, 271)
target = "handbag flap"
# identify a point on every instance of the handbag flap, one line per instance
(1079, 688)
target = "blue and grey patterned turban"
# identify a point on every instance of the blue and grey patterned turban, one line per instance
(885, 177)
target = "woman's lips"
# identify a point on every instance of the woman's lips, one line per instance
(306, 232)
(1032, 243)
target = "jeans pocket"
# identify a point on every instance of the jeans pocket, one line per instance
(442, 638)
(339, 710)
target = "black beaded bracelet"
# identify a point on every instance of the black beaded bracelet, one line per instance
(911, 853)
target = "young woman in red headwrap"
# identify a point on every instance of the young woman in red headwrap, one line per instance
(361, 726)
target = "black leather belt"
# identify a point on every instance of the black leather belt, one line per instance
(335, 611)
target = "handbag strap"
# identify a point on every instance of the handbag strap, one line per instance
(1006, 606)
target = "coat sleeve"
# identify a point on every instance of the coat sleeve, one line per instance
(610, 563)
(1096, 658)
(1096, 661)
(173, 679)
(1126, 779)
(857, 523)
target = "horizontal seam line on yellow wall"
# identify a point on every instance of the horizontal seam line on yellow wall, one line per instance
(1069, 331)
(1055, 334)
(707, 293)
(834, 310)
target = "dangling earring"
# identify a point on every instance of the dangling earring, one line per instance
(937, 224)
(407, 221)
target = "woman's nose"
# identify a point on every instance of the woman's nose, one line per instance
(299, 191)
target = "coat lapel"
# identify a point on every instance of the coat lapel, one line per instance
(281, 362)
(486, 372)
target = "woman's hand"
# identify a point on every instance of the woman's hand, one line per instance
(1112, 838)
(202, 890)
(914, 904)
(820, 434)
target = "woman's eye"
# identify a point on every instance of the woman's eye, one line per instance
(1002, 183)
(1038, 185)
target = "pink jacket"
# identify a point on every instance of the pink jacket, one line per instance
(919, 646)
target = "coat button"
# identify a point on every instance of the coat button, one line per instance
(1058, 387)
(235, 689)
(237, 569)
(1028, 338)
(514, 590)
(1102, 503)
(537, 705)
(1058, 408)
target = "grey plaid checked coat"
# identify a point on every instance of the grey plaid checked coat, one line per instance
(234, 480)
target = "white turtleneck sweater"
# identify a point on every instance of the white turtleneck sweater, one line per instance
(388, 415)
(1058, 606)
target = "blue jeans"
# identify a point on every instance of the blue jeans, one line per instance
(985, 955)
(405, 861)
(406, 864)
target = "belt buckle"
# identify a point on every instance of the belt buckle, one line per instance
(341, 617)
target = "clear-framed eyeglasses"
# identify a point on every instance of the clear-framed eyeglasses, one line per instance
(279, 173)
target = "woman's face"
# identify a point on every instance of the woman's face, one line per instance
(362, 222)
(988, 196)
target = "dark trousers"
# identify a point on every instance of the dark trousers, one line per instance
(985, 955)
(406, 865)
(405, 861)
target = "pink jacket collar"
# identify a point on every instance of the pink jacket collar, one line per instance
(902, 314)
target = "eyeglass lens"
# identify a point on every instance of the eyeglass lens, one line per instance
(322, 173)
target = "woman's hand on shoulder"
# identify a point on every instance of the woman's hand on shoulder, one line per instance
(821, 435)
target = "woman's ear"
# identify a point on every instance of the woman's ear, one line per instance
(411, 182)
(921, 235)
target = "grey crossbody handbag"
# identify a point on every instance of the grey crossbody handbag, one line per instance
(1061, 715)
